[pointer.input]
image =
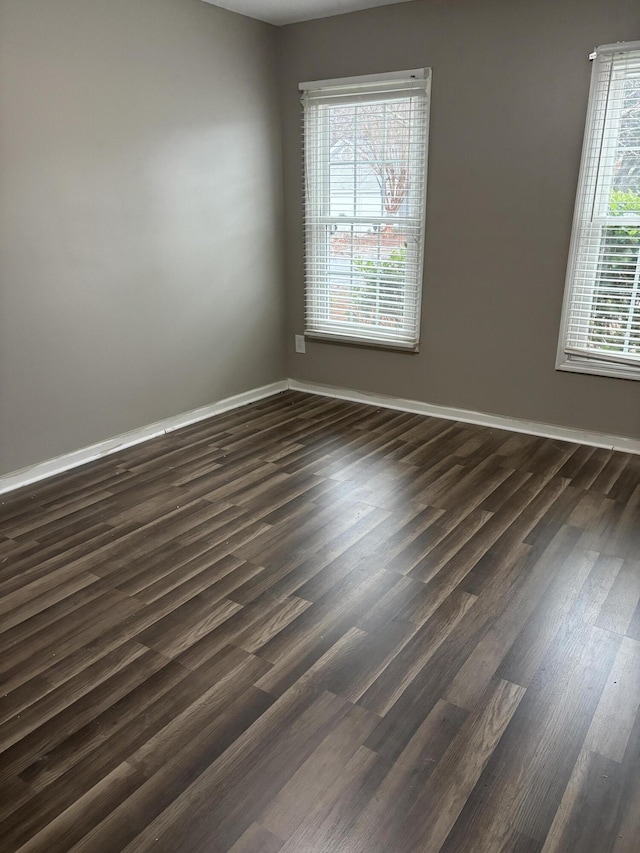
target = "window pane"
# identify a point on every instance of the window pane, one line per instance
(367, 275)
(370, 159)
(626, 176)
(614, 324)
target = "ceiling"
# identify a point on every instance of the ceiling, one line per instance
(281, 12)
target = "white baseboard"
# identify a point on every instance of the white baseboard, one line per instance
(578, 436)
(35, 473)
(43, 470)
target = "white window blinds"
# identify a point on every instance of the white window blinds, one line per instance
(365, 188)
(601, 317)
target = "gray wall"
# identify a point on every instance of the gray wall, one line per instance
(140, 217)
(510, 87)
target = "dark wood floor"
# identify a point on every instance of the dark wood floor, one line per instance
(314, 626)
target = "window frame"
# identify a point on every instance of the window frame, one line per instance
(316, 249)
(572, 362)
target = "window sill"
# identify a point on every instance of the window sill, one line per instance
(346, 340)
(598, 368)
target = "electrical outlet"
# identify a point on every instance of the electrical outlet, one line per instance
(300, 343)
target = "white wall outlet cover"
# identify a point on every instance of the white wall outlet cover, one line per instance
(300, 344)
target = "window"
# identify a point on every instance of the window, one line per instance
(600, 330)
(365, 191)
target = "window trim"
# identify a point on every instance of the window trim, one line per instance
(331, 337)
(566, 361)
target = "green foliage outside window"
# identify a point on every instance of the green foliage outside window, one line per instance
(612, 322)
(378, 297)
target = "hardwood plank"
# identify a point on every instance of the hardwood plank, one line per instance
(257, 840)
(627, 830)
(416, 653)
(238, 786)
(63, 831)
(585, 820)
(127, 821)
(480, 667)
(449, 787)
(231, 675)
(381, 823)
(25, 746)
(525, 777)
(332, 817)
(617, 710)
(619, 606)
(577, 601)
(318, 774)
